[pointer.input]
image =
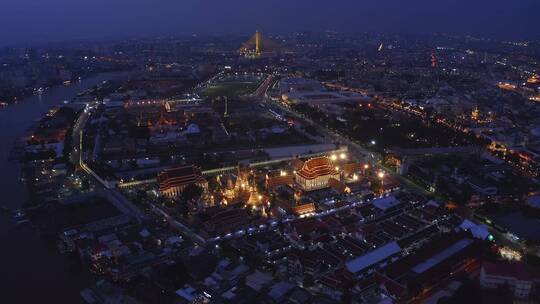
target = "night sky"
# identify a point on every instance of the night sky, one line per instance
(33, 21)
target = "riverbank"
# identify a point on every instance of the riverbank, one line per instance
(32, 269)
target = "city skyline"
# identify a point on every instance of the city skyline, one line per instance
(309, 152)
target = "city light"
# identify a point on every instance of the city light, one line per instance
(207, 146)
(510, 254)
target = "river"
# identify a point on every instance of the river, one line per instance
(31, 269)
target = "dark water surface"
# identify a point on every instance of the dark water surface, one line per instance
(31, 269)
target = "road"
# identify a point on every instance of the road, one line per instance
(361, 153)
(183, 229)
(75, 155)
(330, 135)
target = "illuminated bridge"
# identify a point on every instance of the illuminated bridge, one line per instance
(259, 45)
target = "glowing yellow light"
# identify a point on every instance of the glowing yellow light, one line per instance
(355, 177)
(510, 254)
(366, 166)
(342, 155)
(381, 175)
(333, 157)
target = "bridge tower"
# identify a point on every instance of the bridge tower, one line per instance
(257, 43)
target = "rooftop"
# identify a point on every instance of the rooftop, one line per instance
(373, 257)
(518, 271)
(386, 202)
(316, 167)
(442, 255)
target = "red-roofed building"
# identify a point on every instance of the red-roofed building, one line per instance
(445, 257)
(397, 291)
(227, 221)
(303, 262)
(520, 278)
(338, 187)
(306, 227)
(173, 181)
(279, 181)
(315, 174)
(304, 209)
(334, 284)
(351, 168)
(297, 164)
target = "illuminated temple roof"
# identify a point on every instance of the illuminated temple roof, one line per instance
(179, 177)
(304, 209)
(316, 167)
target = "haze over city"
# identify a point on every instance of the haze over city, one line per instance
(28, 21)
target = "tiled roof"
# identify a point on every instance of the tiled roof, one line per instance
(317, 167)
(179, 176)
(352, 168)
(337, 185)
(373, 257)
(279, 180)
(516, 270)
(303, 209)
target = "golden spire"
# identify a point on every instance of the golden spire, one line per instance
(475, 113)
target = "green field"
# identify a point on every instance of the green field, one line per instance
(232, 86)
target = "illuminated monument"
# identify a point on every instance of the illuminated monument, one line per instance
(316, 173)
(259, 46)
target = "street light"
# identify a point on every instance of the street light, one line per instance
(381, 177)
